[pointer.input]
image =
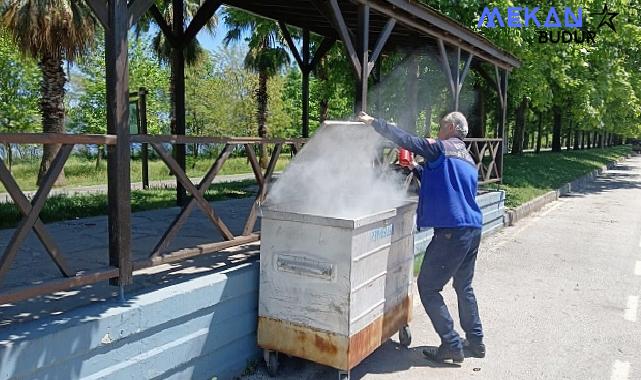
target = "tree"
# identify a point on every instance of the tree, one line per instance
(267, 55)
(19, 86)
(52, 32)
(88, 91)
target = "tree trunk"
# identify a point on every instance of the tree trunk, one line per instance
(519, 129)
(539, 136)
(568, 138)
(98, 157)
(262, 97)
(582, 140)
(556, 131)
(428, 121)
(7, 148)
(324, 110)
(577, 135)
(52, 108)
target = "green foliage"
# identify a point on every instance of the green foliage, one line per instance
(19, 89)
(87, 100)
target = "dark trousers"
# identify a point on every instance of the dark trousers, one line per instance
(451, 253)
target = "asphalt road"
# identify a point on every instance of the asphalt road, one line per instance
(559, 295)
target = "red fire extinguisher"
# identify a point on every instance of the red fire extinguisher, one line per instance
(404, 157)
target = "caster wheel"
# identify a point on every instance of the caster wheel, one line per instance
(343, 375)
(271, 359)
(405, 336)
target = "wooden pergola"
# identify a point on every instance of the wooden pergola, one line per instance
(366, 29)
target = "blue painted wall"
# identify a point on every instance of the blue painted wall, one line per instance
(199, 329)
(202, 328)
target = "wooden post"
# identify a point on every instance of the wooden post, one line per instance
(305, 69)
(502, 133)
(118, 177)
(142, 118)
(363, 56)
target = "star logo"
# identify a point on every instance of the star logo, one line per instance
(607, 18)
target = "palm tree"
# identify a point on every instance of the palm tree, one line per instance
(192, 52)
(51, 31)
(267, 55)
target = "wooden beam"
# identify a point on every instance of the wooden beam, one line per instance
(263, 186)
(27, 223)
(445, 63)
(30, 291)
(344, 33)
(56, 138)
(119, 156)
(363, 56)
(203, 15)
(198, 250)
(292, 46)
(138, 8)
(25, 207)
(180, 220)
(177, 139)
(99, 8)
(448, 27)
(189, 186)
(432, 31)
(499, 89)
(458, 78)
(468, 62)
(164, 26)
(306, 69)
(380, 43)
(324, 47)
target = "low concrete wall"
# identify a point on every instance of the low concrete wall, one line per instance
(492, 205)
(203, 328)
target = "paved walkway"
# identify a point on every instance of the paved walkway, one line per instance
(559, 297)
(102, 189)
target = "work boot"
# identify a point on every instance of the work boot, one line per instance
(443, 353)
(475, 349)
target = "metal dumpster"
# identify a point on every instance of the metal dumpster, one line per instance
(332, 290)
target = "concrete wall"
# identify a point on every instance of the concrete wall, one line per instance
(203, 328)
(492, 205)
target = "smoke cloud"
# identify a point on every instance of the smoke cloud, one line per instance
(334, 175)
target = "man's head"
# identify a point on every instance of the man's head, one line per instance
(453, 125)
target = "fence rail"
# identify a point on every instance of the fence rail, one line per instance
(486, 153)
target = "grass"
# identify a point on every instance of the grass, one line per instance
(83, 172)
(532, 175)
(526, 177)
(64, 207)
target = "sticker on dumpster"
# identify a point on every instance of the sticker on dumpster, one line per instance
(305, 266)
(381, 233)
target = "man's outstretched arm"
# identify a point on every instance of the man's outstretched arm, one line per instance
(428, 148)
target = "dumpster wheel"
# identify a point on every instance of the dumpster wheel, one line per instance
(271, 359)
(405, 336)
(342, 375)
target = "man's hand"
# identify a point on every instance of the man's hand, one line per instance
(365, 118)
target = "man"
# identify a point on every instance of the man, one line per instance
(447, 202)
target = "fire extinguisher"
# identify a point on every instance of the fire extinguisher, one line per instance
(404, 158)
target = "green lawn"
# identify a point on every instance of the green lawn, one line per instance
(82, 172)
(63, 207)
(526, 177)
(531, 175)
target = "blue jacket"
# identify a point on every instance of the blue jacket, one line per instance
(449, 179)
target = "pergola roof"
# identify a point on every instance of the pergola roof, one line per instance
(417, 25)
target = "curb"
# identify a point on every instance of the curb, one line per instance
(514, 215)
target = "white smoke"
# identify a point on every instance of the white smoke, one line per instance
(334, 175)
